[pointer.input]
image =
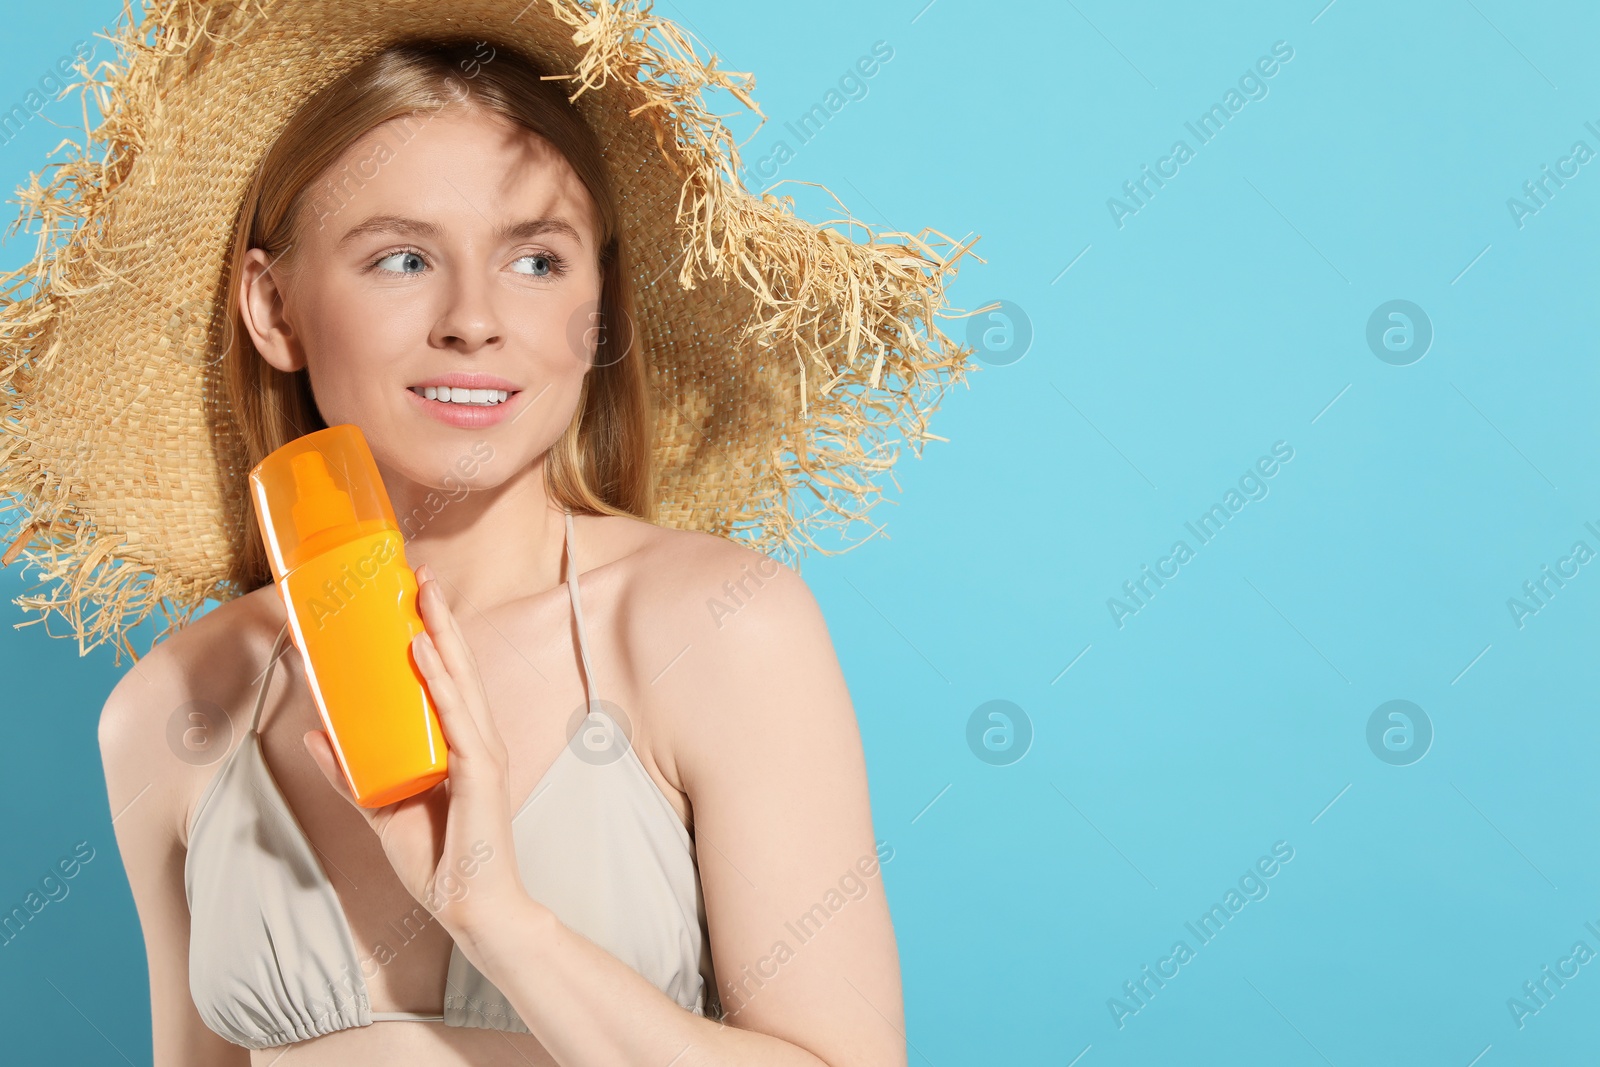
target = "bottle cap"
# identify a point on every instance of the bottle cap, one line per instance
(318, 492)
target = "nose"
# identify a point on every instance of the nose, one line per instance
(469, 320)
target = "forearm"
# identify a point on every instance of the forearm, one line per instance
(589, 1008)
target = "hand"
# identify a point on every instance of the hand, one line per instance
(451, 845)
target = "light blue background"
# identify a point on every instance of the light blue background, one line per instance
(1230, 713)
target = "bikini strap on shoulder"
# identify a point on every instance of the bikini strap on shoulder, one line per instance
(577, 612)
(266, 676)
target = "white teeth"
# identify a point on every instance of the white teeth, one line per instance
(449, 395)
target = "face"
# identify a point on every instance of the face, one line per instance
(469, 259)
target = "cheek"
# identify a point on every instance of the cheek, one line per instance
(349, 345)
(562, 334)
(354, 320)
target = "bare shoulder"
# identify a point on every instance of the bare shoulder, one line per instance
(684, 586)
(708, 630)
(175, 714)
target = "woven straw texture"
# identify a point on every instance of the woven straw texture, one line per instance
(787, 359)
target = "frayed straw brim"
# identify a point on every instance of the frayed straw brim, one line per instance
(783, 355)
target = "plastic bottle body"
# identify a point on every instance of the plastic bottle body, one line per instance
(353, 613)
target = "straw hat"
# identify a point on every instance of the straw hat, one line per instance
(783, 356)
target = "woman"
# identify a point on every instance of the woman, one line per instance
(744, 725)
(655, 845)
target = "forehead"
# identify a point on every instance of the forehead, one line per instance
(466, 168)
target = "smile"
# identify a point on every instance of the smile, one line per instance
(448, 395)
(475, 408)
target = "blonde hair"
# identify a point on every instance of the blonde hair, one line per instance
(601, 464)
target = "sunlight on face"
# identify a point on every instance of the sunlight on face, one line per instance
(472, 247)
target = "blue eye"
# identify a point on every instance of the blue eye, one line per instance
(408, 256)
(545, 266)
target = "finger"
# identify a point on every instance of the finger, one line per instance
(471, 756)
(456, 657)
(460, 728)
(446, 631)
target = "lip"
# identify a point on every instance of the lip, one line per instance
(466, 416)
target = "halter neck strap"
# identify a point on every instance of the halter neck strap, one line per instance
(577, 613)
(261, 693)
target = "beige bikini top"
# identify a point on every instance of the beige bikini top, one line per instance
(271, 956)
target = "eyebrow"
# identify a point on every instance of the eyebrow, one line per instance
(512, 233)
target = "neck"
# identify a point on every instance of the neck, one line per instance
(488, 547)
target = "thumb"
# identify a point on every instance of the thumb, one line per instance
(316, 743)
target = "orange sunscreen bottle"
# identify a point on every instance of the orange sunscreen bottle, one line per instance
(339, 561)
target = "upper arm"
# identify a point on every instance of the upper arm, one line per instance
(147, 789)
(765, 742)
